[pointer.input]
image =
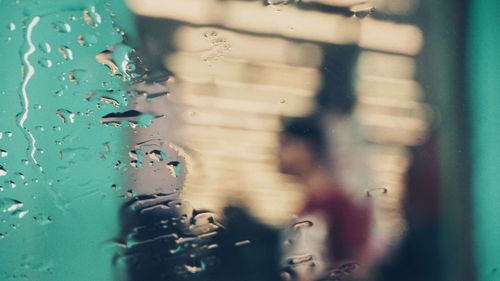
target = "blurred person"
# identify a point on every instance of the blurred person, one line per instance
(417, 256)
(336, 101)
(332, 229)
(248, 250)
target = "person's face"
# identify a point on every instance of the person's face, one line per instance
(294, 156)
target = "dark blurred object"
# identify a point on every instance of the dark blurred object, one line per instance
(248, 250)
(417, 257)
(309, 130)
(164, 238)
(337, 70)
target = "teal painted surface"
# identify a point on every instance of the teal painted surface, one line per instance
(58, 209)
(484, 43)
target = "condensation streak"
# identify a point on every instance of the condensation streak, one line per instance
(30, 72)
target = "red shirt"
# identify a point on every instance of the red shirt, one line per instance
(349, 223)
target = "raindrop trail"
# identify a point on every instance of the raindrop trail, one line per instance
(29, 74)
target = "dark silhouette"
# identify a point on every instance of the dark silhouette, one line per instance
(417, 257)
(304, 154)
(248, 250)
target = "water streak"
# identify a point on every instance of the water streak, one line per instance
(30, 72)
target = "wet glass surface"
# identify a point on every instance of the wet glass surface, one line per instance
(150, 142)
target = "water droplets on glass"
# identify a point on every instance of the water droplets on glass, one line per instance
(11, 26)
(62, 27)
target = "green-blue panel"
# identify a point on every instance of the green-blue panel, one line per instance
(58, 209)
(484, 95)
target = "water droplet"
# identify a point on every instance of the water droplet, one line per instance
(157, 155)
(374, 191)
(130, 67)
(302, 224)
(106, 59)
(37, 106)
(66, 52)
(178, 249)
(43, 219)
(45, 63)
(20, 176)
(3, 171)
(3, 153)
(12, 26)
(65, 115)
(80, 40)
(136, 164)
(91, 17)
(191, 268)
(174, 168)
(278, 2)
(131, 118)
(282, 100)
(300, 259)
(78, 76)
(10, 205)
(20, 214)
(62, 27)
(86, 17)
(25, 162)
(212, 246)
(242, 243)
(363, 12)
(208, 34)
(136, 155)
(45, 47)
(111, 101)
(119, 61)
(131, 193)
(121, 56)
(86, 40)
(72, 78)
